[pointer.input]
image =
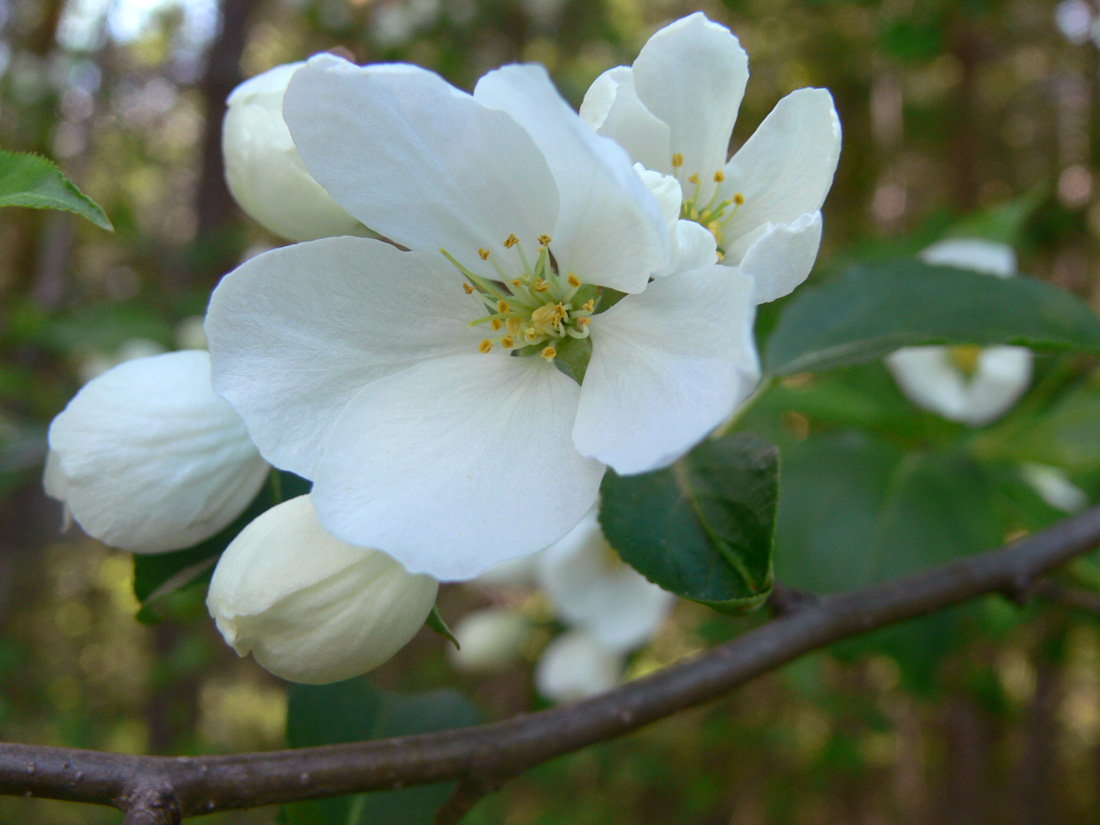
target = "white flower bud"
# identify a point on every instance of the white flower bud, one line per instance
(264, 171)
(575, 666)
(489, 640)
(148, 458)
(309, 607)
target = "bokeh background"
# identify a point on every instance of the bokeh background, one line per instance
(953, 111)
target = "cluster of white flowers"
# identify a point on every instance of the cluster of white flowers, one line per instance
(563, 293)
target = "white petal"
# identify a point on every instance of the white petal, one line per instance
(692, 75)
(264, 171)
(457, 463)
(929, 378)
(695, 248)
(667, 367)
(592, 588)
(488, 640)
(611, 107)
(972, 253)
(782, 257)
(609, 229)
(417, 160)
(1055, 488)
(666, 189)
(153, 459)
(575, 666)
(296, 332)
(1002, 377)
(309, 607)
(785, 169)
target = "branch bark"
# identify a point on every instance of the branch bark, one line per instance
(482, 756)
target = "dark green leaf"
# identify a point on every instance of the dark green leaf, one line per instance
(157, 575)
(1003, 223)
(30, 180)
(355, 711)
(702, 528)
(873, 310)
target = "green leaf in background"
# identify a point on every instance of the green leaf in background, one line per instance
(872, 310)
(157, 575)
(34, 181)
(1005, 222)
(355, 711)
(701, 529)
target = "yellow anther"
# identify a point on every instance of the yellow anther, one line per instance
(573, 280)
(589, 305)
(512, 325)
(510, 241)
(496, 324)
(582, 322)
(693, 179)
(549, 353)
(541, 285)
(544, 240)
(719, 176)
(469, 289)
(502, 306)
(530, 334)
(721, 254)
(677, 160)
(739, 199)
(484, 253)
(516, 282)
(507, 342)
(485, 345)
(715, 228)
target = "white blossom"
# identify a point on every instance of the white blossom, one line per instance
(489, 639)
(967, 384)
(674, 112)
(386, 377)
(577, 665)
(309, 607)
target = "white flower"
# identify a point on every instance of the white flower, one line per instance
(489, 639)
(577, 665)
(674, 111)
(147, 458)
(309, 607)
(591, 588)
(385, 376)
(967, 384)
(1054, 488)
(264, 171)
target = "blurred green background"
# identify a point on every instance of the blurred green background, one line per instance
(950, 108)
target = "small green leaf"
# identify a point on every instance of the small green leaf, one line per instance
(702, 528)
(356, 711)
(435, 623)
(34, 181)
(157, 575)
(872, 310)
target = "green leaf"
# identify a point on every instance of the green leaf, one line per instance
(34, 181)
(872, 310)
(157, 575)
(435, 623)
(1005, 222)
(702, 528)
(355, 711)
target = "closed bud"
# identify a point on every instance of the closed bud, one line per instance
(489, 640)
(264, 171)
(309, 607)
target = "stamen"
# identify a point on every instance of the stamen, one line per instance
(693, 179)
(677, 160)
(502, 306)
(573, 280)
(739, 199)
(507, 342)
(719, 176)
(549, 353)
(541, 285)
(496, 324)
(484, 253)
(469, 289)
(544, 240)
(485, 346)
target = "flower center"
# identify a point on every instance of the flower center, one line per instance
(716, 213)
(965, 357)
(534, 308)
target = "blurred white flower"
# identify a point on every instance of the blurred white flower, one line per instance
(309, 607)
(147, 458)
(967, 384)
(1074, 20)
(489, 640)
(674, 111)
(1054, 488)
(577, 665)
(264, 171)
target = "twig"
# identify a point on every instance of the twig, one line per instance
(503, 749)
(1068, 596)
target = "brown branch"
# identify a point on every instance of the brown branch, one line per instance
(1068, 596)
(486, 754)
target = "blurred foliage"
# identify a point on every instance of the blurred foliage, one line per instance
(960, 118)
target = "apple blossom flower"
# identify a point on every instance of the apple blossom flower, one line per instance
(264, 171)
(972, 385)
(577, 665)
(147, 458)
(674, 111)
(419, 389)
(309, 607)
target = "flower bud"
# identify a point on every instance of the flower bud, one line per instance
(264, 171)
(577, 665)
(148, 458)
(489, 640)
(309, 607)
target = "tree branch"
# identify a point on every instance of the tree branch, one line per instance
(481, 756)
